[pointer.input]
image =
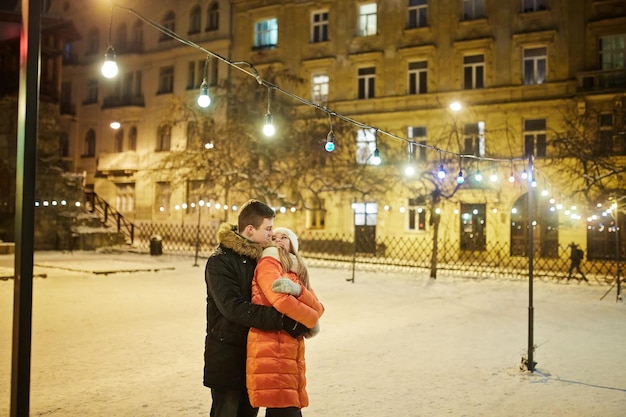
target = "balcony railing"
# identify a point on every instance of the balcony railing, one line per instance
(123, 101)
(602, 80)
(118, 161)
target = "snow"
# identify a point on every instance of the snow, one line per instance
(130, 343)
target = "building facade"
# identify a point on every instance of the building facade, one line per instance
(523, 71)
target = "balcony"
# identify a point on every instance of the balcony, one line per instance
(118, 162)
(122, 101)
(601, 81)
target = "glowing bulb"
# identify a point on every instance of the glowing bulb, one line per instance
(441, 174)
(115, 125)
(409, 171)
(109, 68)
(376, 158)
(268, 127)
(455, 106)
(460, 178)
(203, 99)
(478, 177)
(330, 142)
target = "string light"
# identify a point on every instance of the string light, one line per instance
(268, 127)
(330, 137)
(441, 173)
(109, 67)
(409, 170)
(376, 158)
(204, 100)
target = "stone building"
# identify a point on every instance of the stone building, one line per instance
(525, 73)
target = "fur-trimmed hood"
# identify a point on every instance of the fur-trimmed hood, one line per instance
(228, 237)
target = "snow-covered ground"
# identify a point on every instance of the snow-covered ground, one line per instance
(391, 344)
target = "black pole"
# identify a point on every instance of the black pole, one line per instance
(195, 263)
(28, 115)
(617, 252)
(531, 249)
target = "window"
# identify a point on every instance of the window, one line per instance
(418, 77)
(92, 91)
(316, 217)
(168, 22)
(93, 42)
(192, 134)
(64, 145)
(473, 72)
(474, 139)
(473, 227)
(212, 75)
(137, 36)
(418, 14)
(612, 50)
(162, 196)
(319, 26)
(164, 137)
(319, 88)
(533, 5)
(138, 92)
(535, 137)
(367, 19)
(266, 34)
(89, 145)
(121, 38)
(365, 214)
(535, 60)
(166, 80)
(213, 17)
(195, 17)
(125, 197)
(132, 139)
(365, 146)
(417, 214)
(609, 143)
(119, 140)
(194, 74)
(418, 133)
(366, 82)
(473, 9)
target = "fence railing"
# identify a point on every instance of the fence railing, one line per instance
(110, 216)
(392, 252)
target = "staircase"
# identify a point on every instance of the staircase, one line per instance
(109, 216)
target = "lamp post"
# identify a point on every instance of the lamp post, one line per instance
(200, 205)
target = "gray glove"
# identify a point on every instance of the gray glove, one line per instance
(286, 286)
(312, 332)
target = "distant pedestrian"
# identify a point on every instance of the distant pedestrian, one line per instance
(576, 257)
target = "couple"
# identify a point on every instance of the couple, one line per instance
(259, 308)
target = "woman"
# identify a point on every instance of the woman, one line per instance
(275, 367)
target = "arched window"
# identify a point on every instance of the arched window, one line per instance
(119, 140)
(213, 17)
(192, 133)
(93, 41)
(64, 145)
(121, 38)
(89, 145)
(164, 137)
(132, 139)
(168, 22)
(195, 16)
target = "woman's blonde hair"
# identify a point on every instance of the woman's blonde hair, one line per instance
(299, 267)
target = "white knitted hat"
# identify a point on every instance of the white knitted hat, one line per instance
(291, 235)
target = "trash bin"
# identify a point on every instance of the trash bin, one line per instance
(156, 245)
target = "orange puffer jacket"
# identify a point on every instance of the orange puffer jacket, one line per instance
(275, 367)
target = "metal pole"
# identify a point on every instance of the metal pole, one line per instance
(28, 116)
(531, 249)
(617, 251)
(198, 235)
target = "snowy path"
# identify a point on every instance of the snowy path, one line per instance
(391, 344)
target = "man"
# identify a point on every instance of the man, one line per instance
(230, 313)
(576, 257)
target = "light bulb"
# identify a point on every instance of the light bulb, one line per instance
(478, 177)
(409, 171)
(203, 99)
(512, 177)
(115, 125)
(109, 68)
(441, 174)
(330, 142)
(460, 178)
(376, 158)
(268, 127)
